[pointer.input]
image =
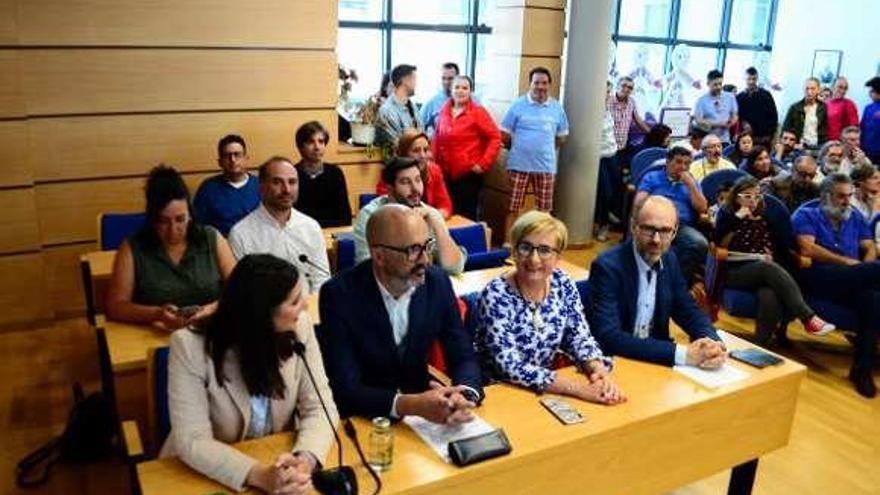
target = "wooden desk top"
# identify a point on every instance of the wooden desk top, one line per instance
(670, 432)
(474, 281)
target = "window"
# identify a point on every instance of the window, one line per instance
(668, 46)
(376, 35)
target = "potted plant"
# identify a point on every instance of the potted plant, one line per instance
(361, 114)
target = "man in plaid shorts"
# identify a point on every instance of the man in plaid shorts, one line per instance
(534, 128)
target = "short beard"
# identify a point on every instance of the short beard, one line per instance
(839, 213)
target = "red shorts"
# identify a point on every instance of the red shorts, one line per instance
(542, 185)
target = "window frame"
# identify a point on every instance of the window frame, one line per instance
(387, 26)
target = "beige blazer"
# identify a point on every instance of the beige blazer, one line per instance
(207, 416)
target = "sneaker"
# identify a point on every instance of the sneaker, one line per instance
(863, 380)
(818, 327)
(602, 234)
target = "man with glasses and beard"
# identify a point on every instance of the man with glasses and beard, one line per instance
(799, 186)
(403, 178)
(844, 269)
(378, 322)
(637, 286)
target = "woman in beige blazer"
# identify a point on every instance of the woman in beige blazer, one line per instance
(237, 378)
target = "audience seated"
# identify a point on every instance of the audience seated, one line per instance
(379, 319)
(170, 272)
(403, 178)
(798, 186)
(694, 141)
(741, 227)
(323, 194)
(398, 112)
(637, 286)
(844, 268)
(716, 111)
(831, 158)
(759, 165)
(852, 152)
(676, 183)
(712, 159)
(277, 228)
(528, 315)
(236, 378)
(757, 110)
(224, 199)
(788, 148)
(743, 145)
(866, 182)
(660, 136)
(415, 144)
(808, 118)
(466, 143)
(842, 111)
(870, 124)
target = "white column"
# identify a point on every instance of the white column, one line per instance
(585, 75)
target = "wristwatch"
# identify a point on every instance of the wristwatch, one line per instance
(471, 395)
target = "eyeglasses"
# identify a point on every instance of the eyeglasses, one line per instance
(649, 231)
(525, 250)
(414, 251)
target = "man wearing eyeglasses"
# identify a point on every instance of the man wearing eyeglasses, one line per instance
(224, 199)
(799, 186)
(637, 286)
(844, 267)
(378, 321)
(403, 178)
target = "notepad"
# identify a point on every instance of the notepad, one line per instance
(438, 436)
(724, 375)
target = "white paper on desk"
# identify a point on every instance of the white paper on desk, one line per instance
(724, 375)
(438, 436)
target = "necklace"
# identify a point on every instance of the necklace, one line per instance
(534, 306)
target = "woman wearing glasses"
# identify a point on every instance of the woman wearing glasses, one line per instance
(527, 316)
(748, 235)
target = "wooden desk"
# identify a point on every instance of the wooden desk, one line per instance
(670, 432)
(474, 281)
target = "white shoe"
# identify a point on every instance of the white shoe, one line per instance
(602, 234)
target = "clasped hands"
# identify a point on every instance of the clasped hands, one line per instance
(290, 474)
(439, 404)
(706, 353)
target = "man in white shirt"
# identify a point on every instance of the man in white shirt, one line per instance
(277, 228)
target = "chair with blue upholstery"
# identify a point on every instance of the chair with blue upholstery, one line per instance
(113, 228)
(157, 396)
(344, 250)
(728, 150)
(631, 195)
(365, 198)
(712, 182)
(473, 238)
(643, 160)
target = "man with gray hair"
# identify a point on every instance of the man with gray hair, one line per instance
(852, 152)
(844, 267)
(712, 159)
(798, 186)
(831, 158)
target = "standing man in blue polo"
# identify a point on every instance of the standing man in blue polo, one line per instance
(716, 111)
(226, 198)
(677, 184)
(533, 129)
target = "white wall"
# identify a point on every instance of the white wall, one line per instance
(803, 26)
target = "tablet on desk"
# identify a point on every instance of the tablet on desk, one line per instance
(756, 357)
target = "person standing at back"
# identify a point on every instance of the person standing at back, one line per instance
(716, 111)
(399, 111)
(757, 109)
(808, 118)
(842, 112)
(224, 199)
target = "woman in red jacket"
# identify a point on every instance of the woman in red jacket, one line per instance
(415, 144)
(466, 143)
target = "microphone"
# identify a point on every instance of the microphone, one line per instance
(340, 480)
(305, 260)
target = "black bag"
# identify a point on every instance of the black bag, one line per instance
(89, 435)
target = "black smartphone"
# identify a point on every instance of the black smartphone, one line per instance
(188, 311)
(756, 357)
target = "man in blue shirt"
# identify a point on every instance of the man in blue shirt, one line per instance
(845, 268)
(533, 129)
(717, 110)
(676, 183)
(871, 123)
(431, 109)
(226, 198)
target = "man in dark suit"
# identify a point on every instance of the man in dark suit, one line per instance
(379, 319)
(637, 286)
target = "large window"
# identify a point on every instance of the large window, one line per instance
(376, 35)
(668, 46)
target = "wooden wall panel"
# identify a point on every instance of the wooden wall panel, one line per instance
(543, 33)
(145, 80)
(13, 141)
(8, 25)
(112, 146)
(65, 287)
(270, 23)
(18, 224)
(68, 211)
(360, 178)
(553, 64)
(546, 4)
(11, 102)
(23, 289)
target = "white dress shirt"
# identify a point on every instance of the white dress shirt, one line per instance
(647, 301)
(260, 232)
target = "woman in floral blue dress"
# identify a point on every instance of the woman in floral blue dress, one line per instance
(528, 315)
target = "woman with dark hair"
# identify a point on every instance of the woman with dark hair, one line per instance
(759, 165)
(169, 273)
(755, 253)
(236, 378)
(744, 146)
(658, 137)
(415, 144)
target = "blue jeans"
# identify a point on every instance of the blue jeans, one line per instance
(690, 247)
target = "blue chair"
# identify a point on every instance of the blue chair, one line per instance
(157, 395)
(728, 150)
(344, 251)
(365, 198)
(473, 239)
(472, 302)
(631, 195)
(113, 228)
(643, 160)
(713, 181)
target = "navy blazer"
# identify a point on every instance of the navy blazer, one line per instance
(357, 342)
(614, 293)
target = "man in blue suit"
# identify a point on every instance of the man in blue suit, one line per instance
(637, 286)
(379, 319)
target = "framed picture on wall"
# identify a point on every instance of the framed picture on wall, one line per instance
(678, 119)
(826, 65)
